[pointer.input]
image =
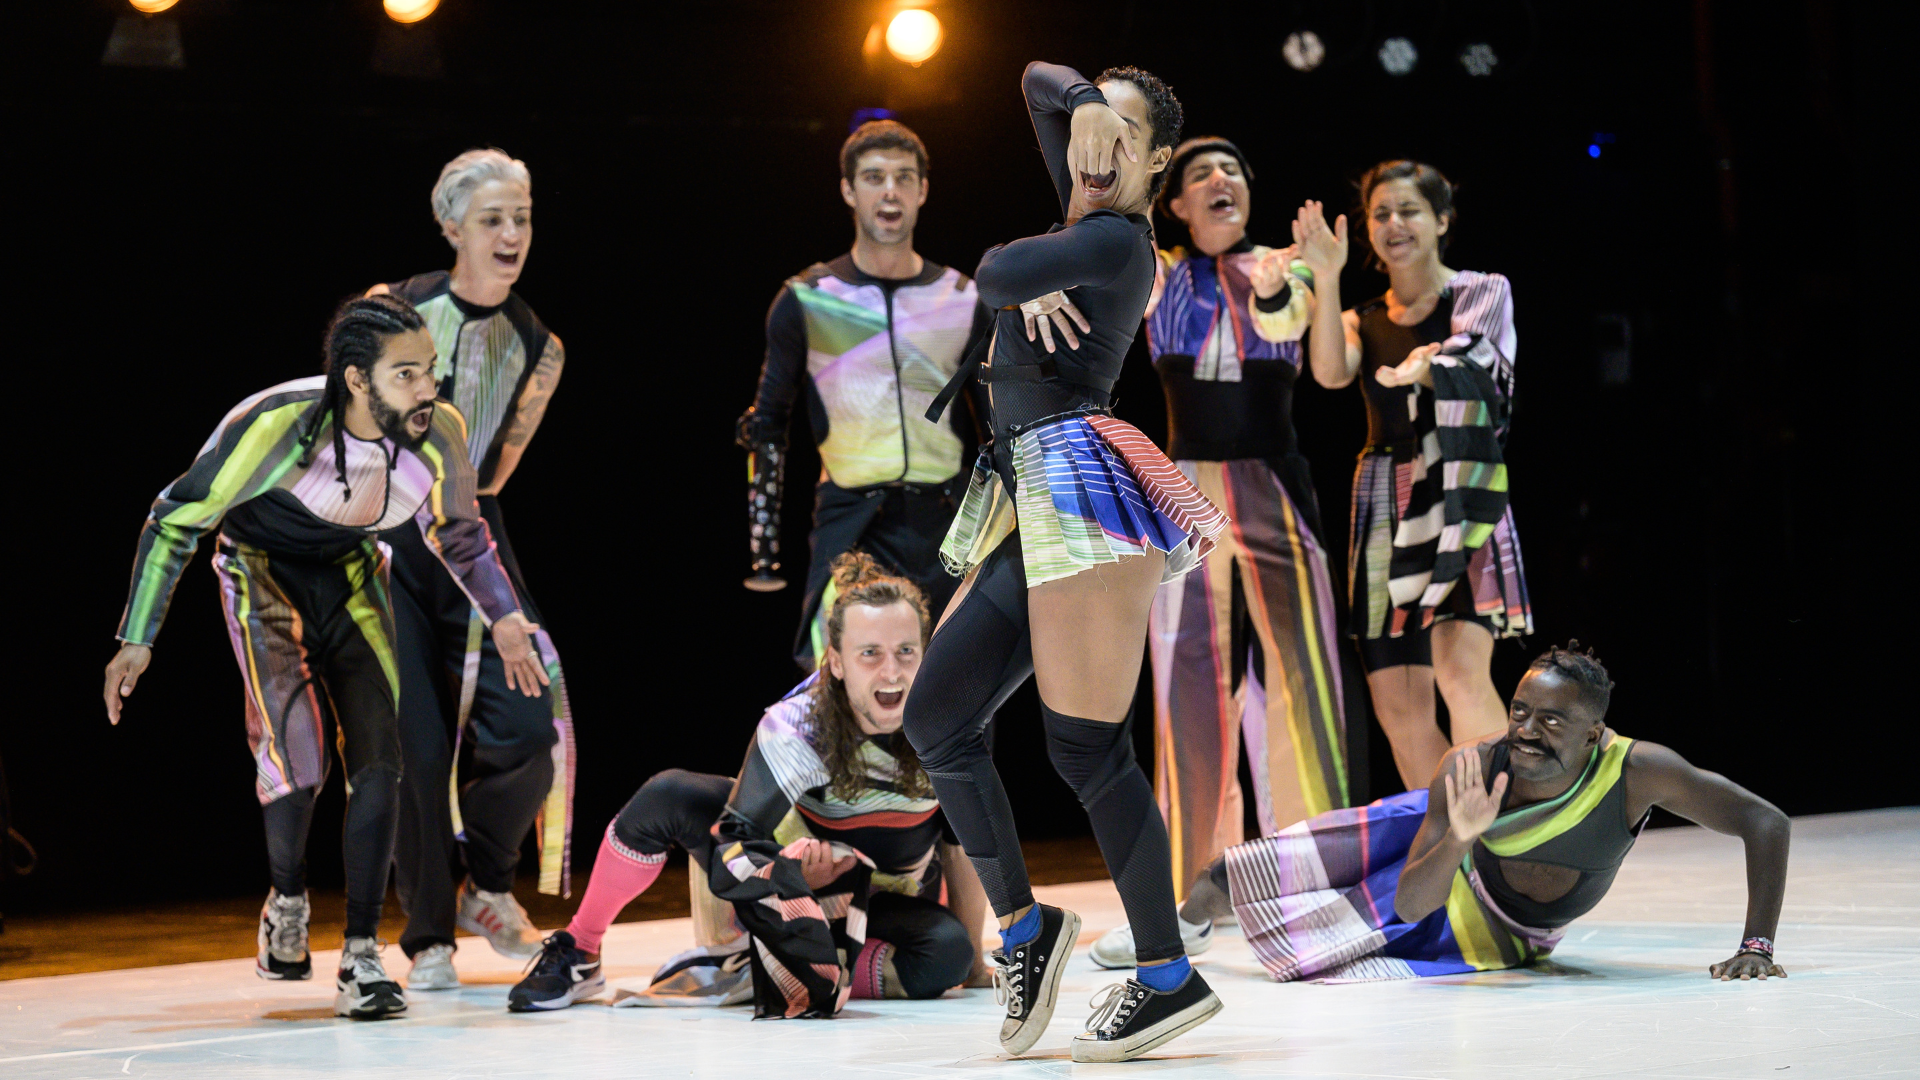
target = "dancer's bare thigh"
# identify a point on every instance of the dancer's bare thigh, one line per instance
(1089, 632)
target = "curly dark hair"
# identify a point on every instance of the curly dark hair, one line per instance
(1163, 112)
(1583, 667)
(860, 580)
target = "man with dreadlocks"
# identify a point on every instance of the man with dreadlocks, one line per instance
(830, 818)
(499, 365)
(1518, 835)
(299, 480)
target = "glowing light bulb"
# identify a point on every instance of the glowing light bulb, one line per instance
(150, 7)
(1304, 50)
(914, 36)
(410, 11)
(1398, 56)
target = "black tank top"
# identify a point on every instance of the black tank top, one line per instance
(1595, 847)
(1385, 343)
(1224, 421)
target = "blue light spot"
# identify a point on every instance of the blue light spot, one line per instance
(1593, 150)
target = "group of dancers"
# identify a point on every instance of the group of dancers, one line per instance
(368, 584)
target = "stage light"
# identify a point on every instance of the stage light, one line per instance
(1593, 150)
(410, 11)
(1478, 59)
(1398, 56)
(152, 7)
(1304, 50)
(914, 36)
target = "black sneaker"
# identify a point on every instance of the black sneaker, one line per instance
(1026, 978)
(1131, 1018)
(363, 990)
(283, 938)
(561, 975)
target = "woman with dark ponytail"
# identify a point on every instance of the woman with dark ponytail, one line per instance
(1435, 567)
(298, 481)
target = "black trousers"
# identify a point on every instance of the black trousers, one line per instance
(507, 766)
(900, 525)
(932, 950)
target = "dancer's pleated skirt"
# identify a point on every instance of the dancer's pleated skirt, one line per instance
(1496, 581)
(1316, 903)
(1089, 490)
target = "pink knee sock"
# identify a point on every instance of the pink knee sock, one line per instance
(619, 874)
(869, 970)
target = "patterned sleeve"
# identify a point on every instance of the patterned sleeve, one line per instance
(781, 766)
(451, 523)
(245, 456)
(1288, 321)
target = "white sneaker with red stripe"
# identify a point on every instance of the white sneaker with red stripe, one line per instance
(499, 918)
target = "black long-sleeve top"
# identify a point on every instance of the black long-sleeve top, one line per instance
(1104, 261)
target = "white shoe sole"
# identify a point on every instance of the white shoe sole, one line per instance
(591, 988)
(1086, 1049)
(356, 1009)
(1036, 1021)
(272, 976)
(432, 983)
(1115, 961)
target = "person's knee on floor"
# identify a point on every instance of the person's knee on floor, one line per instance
(652, 821)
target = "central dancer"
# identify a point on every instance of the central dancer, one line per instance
(1071, 522)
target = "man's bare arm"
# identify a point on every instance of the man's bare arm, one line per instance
(1656, 776)
(1459, 809)
(528, 412)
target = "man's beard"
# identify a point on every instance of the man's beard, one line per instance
(393, 422)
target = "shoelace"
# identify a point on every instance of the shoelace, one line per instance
(289, 931)
(550, 956)
(1112, 1006)
(367, 966)
(1007, 979)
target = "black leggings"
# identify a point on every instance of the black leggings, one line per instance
(932, 950)
(976, 660)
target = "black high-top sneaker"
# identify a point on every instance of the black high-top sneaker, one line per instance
(283, 938)
(363, 990)
(1131, 1018)
(1026, 978)
(561, 975)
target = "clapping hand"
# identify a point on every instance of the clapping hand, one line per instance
(1417, 368)
(1053, 310)
(1270, 273)
(1324, 250)
(1471, 808)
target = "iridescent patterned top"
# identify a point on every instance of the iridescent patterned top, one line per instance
(247, 482)
(871, 354)
(496, 364)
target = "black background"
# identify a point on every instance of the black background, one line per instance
(1722, 525)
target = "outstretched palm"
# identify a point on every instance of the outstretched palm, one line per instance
(1323, 249)
(1471, 808)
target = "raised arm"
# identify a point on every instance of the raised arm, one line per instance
(1656, 776)
(1459, 809)
(1053, 91)
(1333, 341)
(528, 411)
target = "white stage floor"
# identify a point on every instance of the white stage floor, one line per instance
(1627, 996)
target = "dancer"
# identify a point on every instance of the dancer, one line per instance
(299, 480)
(498, 364)
(1224, 331)
(829, 803)
(1071, 521)
(872, 336)
(1434, 567)
(1516, 837)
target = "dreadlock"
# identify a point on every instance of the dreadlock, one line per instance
(1163, 112)
(860, 580)
(1583, 667)
(355, 338)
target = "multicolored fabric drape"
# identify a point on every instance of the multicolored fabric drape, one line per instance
(805, 940)
(1089, 490)
(1292, 715)
(1457, 487)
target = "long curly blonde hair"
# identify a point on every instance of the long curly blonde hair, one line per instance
(860, 580)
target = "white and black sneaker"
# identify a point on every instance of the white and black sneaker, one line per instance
(283, 938)
(1114, 950)
(561, 975)
(363, 990)
(1131, 1018)
(1026, 978)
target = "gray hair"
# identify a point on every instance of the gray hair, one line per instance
(464, 174)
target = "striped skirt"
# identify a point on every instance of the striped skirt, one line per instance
(1091, 490)
(1316, 903)
(1496, 578)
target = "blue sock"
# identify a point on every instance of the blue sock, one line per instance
(1166, 977)
(1024, 929)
